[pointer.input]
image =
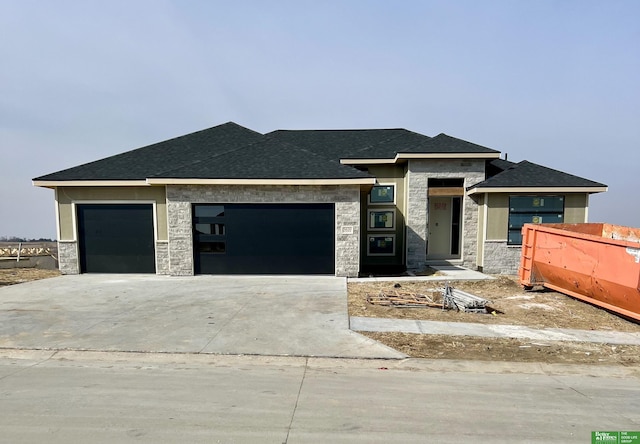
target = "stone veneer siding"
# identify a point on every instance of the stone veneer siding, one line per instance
(68, 257)
(500, 258)
(419, 171)
(347, 210)
(162, 257)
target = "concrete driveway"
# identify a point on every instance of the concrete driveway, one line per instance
(261, 315)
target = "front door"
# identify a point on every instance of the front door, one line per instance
(444, 227)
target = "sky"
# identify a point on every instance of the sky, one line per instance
(553, 82)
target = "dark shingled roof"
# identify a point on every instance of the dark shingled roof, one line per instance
(375, 144)
(526, 174)
(266, 159)
(496, 166)
(154, 159)
(339, 144)
(230, 151)
(443, 143)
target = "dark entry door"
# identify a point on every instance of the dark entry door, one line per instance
(264, 238)
(116, 238)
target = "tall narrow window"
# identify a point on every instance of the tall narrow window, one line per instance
(209, 229)
(455, 225)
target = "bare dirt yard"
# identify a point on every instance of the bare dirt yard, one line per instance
(12, 276)
(510, 305)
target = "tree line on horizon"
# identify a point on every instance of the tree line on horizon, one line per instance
(24, 239)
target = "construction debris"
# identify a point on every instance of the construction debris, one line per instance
(398, 299)
(463, 301)
(447, 298)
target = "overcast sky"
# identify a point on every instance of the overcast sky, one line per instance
(553, 82)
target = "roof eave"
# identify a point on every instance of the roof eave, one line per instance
(88, 183)
(335, 181)
(400, 156)
(590, 190)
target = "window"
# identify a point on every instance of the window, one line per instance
(382, 194)
(212, 247)
(209, 229)
(208, 210)
(532, 209)
(382, 245)
(382, 219)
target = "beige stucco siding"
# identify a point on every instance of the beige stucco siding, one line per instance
(497, 216)
(481, 228)
(575, 208)
(67, 196)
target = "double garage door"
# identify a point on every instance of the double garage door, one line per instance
(228, 238)
(264, 238)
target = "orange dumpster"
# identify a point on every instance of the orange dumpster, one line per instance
(597, 263)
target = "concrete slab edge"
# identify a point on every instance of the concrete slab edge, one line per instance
(492, 331)
(420, 278)
(29, 357)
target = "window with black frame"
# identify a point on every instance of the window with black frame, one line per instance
(532, 209)
(382, 194)
(209, 229)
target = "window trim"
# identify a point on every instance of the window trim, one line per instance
(380, 185)
(381, 210)
(393, 241)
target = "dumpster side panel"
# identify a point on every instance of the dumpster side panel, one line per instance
(602, 271)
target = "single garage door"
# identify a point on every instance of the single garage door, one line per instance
(116, 238)
(264, 238)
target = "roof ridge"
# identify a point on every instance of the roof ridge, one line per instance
(211, 157)
(316, 155)
(265, 138)
(336, 130)
(382, 141)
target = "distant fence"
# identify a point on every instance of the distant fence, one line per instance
(17, 250)
(29, 254)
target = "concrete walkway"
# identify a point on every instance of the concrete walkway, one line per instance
(444, 273)
(492, 331)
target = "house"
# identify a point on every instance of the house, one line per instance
(229, 200)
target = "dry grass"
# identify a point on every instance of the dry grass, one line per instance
(508, 349)
(13, 276)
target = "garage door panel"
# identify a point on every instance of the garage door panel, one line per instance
(116, 238)
(272, 239)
